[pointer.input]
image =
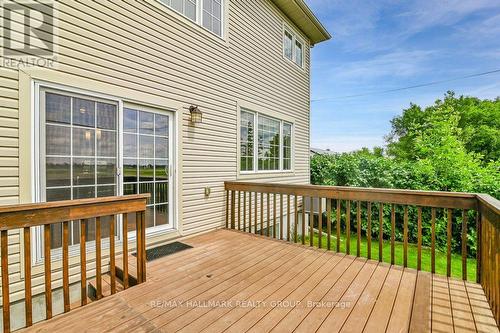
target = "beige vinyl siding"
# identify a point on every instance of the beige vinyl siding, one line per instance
(9, 159)
(143, 46)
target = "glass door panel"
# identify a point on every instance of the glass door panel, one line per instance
(146, 163)
(80, 154)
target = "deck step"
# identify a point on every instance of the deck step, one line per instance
(106, 286)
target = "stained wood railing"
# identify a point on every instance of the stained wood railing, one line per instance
(25, 217)
(295, 213)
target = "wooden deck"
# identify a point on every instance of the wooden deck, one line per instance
(237, 282)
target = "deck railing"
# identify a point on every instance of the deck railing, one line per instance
(291, 213)
(44, 215)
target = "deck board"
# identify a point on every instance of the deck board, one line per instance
(234, 282)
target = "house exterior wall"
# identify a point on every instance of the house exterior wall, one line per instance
(145, 53)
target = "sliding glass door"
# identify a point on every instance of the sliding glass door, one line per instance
(80, 156)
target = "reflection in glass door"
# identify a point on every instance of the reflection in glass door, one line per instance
(146, 163)
(79, 145)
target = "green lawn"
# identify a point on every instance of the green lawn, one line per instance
(456, 260)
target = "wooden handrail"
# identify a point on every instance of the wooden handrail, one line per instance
(404, 197)
(24, 217)
(426, 206)
(32, 215)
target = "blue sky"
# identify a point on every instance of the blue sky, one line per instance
(383, 44)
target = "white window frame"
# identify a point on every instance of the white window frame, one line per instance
(256, 170)
(295, 39)
(199, 16)
(37, 246)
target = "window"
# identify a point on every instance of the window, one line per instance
(287, 146)
(185, 7)
(293, 48)
(212, 16)
(207, 13)
(269, 143)
(270, 149)
(247, 129)
(298, 53)
(288, 45)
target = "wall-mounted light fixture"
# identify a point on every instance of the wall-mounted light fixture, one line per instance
(196, 115)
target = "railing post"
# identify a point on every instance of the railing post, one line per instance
(4, 252)
(27, 277)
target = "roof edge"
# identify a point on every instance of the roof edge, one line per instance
(314, 20)
(303, 17)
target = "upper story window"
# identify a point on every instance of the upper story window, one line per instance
(293, 47)
(207, 13)
(265, 143)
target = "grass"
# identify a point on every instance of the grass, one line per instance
(456, 260)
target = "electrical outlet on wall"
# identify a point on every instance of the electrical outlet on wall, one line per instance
(207, 192)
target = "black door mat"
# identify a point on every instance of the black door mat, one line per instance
(164, 250)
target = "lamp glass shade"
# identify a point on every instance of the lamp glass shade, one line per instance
(196, 115)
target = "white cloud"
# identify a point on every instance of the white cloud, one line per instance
(394, 64)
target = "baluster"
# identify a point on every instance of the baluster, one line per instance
(255, 211)
(48, 271)
(27, 277)
(329, 223)
(464, 245)
(358, 218)
(274, 215)
(262, 214)
(268, 214)
(281, 216)
(125, 247)
(83, 264)
(433, 240)
(405, 238)
(478, 247)
(244, 211)
(393, 232)
(338, 225)
(419, 239)
(380, 231)
(143, 243)
(233, 209)
(227, 209)
(65, 249)
(239, 210)
(288, 212)
(320, 222)
(448, 243)
(369, 230)
(139, 241)
(311, 221)
(303, 220)
(250, 212)
(112, 263)
(4, 252)
(348, 227)
(98, 265)
(296, 222)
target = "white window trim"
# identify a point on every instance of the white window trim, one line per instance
(295, 38)
(256, 144)
(199, 16)
(74, 250)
